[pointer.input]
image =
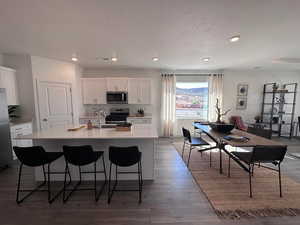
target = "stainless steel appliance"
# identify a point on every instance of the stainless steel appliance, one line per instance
(117, 116)
(5, 141)
(116, 97)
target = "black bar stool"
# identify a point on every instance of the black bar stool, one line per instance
(36, 156)
(125, 157)
(81, 156)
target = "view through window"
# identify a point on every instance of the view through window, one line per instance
(192, 100)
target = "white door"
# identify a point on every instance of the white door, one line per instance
(94, 90)
(55, 104)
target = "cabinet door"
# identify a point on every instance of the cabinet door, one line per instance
(9, 82)
(94, 91)
(145, 91)
(133, 91)
(117, 84)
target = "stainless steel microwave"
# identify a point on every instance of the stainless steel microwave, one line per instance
(116, 97)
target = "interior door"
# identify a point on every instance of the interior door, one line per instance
(55, 104)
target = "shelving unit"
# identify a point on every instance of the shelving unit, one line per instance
(278, 108)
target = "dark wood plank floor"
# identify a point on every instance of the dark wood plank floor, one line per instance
(173, 198)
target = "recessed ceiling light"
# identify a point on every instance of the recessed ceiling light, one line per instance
(235, 38)
(155, 59)
(74, 59)
(114, 59)
(206, 59)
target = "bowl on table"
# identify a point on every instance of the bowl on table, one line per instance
(222, 127)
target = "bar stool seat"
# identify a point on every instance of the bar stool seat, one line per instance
(36, 156)
(81, 156)
(125, 157)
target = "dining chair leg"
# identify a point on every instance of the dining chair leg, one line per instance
(183, 149)
(189, 156)
(228, 166)
(250, 181)
(210, 158)
(279, 174)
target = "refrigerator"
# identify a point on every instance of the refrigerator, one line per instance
(6, 157)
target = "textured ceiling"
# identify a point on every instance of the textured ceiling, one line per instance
(179, 32)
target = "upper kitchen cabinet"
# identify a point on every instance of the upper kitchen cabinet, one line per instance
(139, 91)
(117, 84)
(9, 82)
(94, 90)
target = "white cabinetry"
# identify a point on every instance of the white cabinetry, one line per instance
(117, 84)
(94, 90)
(9, 82)
(139, 120)
(19, 130)
(139, 91)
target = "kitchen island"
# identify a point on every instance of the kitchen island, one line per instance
(143, 136)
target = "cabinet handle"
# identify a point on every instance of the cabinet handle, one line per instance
(45, 120)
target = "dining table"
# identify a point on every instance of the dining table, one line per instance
(221, 140)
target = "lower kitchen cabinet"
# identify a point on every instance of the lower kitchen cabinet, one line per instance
(18, 130)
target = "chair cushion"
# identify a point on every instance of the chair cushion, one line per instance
(197, 141)
(244, 156)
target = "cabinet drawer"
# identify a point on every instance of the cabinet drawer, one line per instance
(20, 127)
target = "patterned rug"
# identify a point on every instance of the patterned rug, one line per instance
(229, 196)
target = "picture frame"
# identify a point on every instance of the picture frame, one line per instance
(242, 89)
(241, 103)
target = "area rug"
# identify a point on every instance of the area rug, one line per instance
(229, 196)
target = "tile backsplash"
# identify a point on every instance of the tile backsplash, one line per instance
(91, 109)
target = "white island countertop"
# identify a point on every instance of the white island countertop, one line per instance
(137, 132)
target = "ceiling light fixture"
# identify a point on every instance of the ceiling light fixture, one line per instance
(206, 59)
(235, 38)
(155, 59)
(74, 59)
(114, 59)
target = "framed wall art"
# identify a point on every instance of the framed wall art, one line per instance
(242, 90)
(241, 103)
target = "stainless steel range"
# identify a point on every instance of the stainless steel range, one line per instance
(117, 116)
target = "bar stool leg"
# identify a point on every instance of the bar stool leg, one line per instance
(109, 181)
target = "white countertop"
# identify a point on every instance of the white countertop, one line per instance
(137, 132)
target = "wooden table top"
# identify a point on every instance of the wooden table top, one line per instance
(253, 141)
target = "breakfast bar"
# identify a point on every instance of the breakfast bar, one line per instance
(53, 139)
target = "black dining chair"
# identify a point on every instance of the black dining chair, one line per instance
(266, 133)
(80, 156)
(36, 156)
(192, 142)
(125, 157)
(262, 154)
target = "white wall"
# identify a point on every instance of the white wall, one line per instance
(1, 60)
(154, 109)
(22, 65)
(44, 69)
(255, 79)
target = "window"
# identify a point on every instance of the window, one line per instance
(192, 100)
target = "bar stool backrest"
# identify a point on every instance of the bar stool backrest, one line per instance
(268, 153)
(79, 155)
(124, 156)
(31, 156)
(186, 135)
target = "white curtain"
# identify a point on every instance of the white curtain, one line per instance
(168, 104)
(215, 92)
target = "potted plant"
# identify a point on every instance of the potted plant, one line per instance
(257, 119)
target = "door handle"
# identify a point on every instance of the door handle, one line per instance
(45, 120)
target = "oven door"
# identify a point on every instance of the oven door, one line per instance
(116, 97)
